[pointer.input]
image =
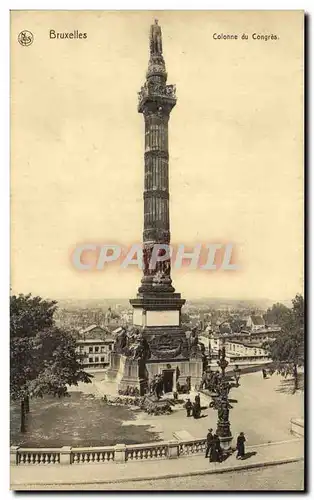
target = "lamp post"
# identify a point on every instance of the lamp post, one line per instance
(223, 405)
(221, 401)
(209, 349)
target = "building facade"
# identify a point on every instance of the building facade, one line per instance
(94, 344)
(255, 323)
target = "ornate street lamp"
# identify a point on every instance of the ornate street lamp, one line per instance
(221, 401)
(223, 404)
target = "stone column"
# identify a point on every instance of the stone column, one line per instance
(156, 100)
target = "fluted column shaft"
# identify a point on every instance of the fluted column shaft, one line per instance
(156, 184)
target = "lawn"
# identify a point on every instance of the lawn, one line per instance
(78, 420)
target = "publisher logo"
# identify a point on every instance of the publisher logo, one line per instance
(26, 38)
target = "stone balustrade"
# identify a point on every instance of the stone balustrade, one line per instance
(92, 455)
(37, 456)
(192, 447)
(150, 451)
(120, 453)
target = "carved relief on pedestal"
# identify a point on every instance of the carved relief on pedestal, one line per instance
(167, 347)
(133, 344)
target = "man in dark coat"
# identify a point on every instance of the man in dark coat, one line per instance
(198, 399)
(188, 406)
(197, 405)
(196, 411)
(240, 446)
(209, 439)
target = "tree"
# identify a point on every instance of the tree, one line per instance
(58, 364)
(287, 350)
(43, 358)
(28, 315)
(236, 325)
(276, 315)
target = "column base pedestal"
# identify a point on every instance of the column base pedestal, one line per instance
(225, 443)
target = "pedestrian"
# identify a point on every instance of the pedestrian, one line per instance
(209, 439)
(188, 383)
(240, 446)
(195, 411)
(188, 406)
(203, 381)
(198, 399)
(237, 372)
(264, 373)
(215, 449)
(197, 405)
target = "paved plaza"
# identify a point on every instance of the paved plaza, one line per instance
(283, 477)
(263, 412)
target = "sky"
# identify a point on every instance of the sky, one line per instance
(235, 144)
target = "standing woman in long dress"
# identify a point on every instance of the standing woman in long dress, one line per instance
(240, 446)
(214, 455)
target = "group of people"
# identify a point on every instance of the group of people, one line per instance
(213, 448)
(193, 409)
(212, 379)
(214, 451)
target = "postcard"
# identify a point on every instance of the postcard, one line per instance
(157, 250)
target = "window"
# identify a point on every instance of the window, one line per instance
(90, 349)
(102, 349)
(96, 359)
(90, 360)
(97, 349)
(102, 359)
(110, 347)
